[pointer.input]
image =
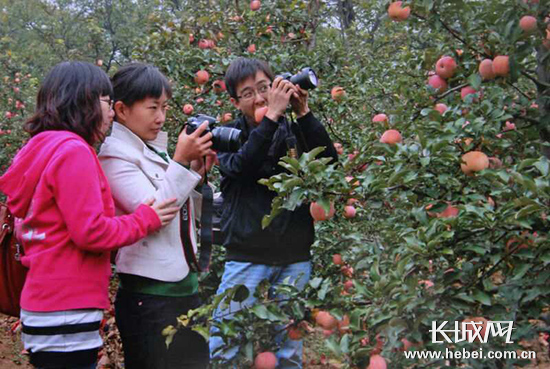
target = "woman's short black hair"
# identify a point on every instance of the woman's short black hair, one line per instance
(138, 81)
(241, 69)
(68, 100)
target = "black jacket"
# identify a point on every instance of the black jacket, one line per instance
(289, 236)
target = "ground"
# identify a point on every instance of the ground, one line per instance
(315, 355)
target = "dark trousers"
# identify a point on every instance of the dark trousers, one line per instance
(141, 318)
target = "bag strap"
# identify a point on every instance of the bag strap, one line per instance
(6, 220)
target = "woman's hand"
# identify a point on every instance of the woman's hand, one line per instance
(166, 210)
(200, 167)
(193, 146)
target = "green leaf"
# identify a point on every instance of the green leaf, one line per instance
(241, 293)
(475, 80)
(344, 344)
(203, 331)
(260, 311)
(333, 346)
(482, 297)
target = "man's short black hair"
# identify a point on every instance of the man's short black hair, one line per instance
(241, 69)
(138, 81)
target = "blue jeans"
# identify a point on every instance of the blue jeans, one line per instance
(250, 275)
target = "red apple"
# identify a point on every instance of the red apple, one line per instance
(338, 93)
(470, 330)
(227, 117)
(426, 283)
(255, 5)
(219, 86)
(348, 285)
(349, 212)
(465, 91)
(449, 212)
(252, 48)
(325, 320)
(202, 77)
(445, 67)
(437, 83)
(188, 109)
(295, 333)
(339, 148)
(380, 118)
(377, 362)
(509, 126)
(265, 360)
(318, 213)
(397, 13)
(528, 23)
(391, 137)
(347, 271)
(260, 113)
(441, 108)
(337, 259)
(501, 65)
(203, 44)
(486, 70)
(474, 161)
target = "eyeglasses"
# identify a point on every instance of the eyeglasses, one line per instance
(250, 93)
(111, 103)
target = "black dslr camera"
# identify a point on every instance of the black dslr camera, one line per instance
(306, 78)
(224, 139)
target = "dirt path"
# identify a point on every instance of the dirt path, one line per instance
(315, 355)
(10, 346)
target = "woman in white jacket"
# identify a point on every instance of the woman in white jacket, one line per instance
(157, 284)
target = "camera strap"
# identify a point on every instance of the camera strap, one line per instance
(206, 226)
(299, 136)
(206, 236)
(185, 234)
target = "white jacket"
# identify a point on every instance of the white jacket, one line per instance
(136, 174)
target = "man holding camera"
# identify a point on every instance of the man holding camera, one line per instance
(282, 250)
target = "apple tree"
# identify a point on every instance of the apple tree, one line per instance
(440, 110)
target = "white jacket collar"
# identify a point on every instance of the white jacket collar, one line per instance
(121, 132)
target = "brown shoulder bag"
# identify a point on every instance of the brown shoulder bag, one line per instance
(12, 272)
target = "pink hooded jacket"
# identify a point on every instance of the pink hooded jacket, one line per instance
(57, 189)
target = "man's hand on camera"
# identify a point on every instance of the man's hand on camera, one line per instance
(279, 97)
(299, 102)
(193, 146)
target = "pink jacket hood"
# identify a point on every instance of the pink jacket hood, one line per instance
(22, 177)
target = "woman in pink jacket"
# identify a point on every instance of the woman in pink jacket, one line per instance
(65, 218)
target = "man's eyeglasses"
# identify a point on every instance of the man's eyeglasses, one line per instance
(111, 102)
(250, 93)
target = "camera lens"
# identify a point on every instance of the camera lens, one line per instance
(306, 79)
(226, 139)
